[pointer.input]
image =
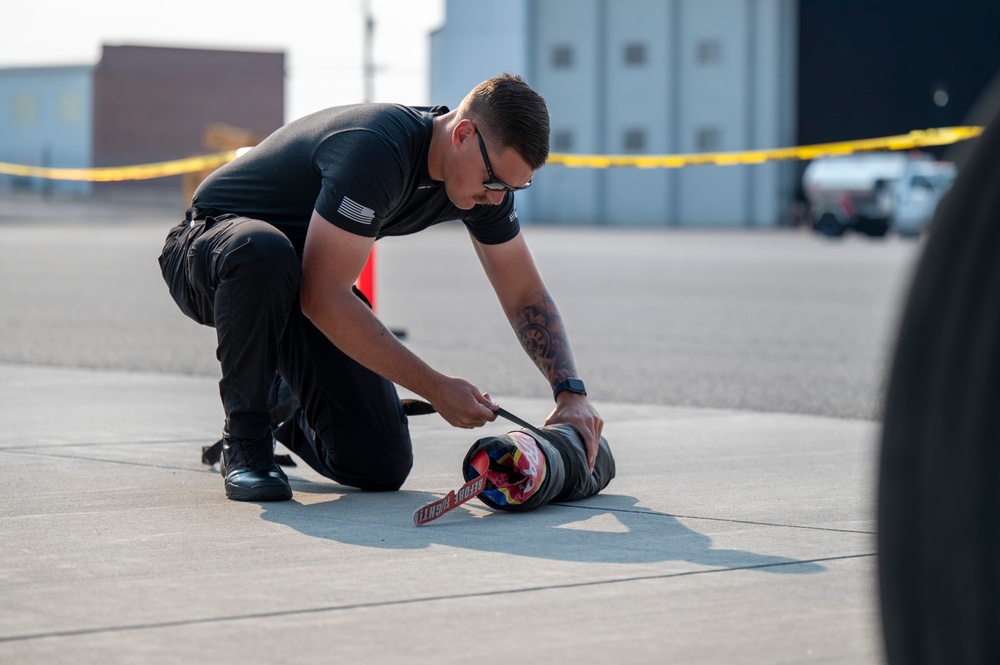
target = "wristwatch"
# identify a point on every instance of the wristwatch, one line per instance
(571, 384)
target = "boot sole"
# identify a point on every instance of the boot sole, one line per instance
(267, 492)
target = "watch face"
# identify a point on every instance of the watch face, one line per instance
(569, 385)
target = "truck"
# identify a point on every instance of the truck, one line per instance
(873, 193)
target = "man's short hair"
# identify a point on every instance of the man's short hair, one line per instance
(512, 115)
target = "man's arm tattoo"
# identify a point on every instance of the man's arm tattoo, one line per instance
(543, 336)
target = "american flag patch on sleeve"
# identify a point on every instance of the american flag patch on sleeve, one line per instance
(355, 211)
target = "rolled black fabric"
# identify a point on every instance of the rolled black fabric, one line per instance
(527, 471)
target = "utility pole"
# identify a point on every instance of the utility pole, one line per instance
(368, 54)
(366, 280)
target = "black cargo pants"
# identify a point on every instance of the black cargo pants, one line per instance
(241, 276)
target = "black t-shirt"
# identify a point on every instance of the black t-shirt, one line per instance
(362, 167)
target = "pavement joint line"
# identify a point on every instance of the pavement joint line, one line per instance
(408, 601)
(31, 453)
(713, 519)
(92, 444)
(101, 459)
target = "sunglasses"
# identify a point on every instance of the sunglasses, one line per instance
(494, 183)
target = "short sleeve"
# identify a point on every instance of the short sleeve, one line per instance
(361, 177)
(494, 225)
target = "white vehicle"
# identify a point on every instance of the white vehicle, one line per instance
(918, 194)
(874, 192)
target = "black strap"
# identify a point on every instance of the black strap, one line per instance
(523, 423)
(212, 454)
(412, 407)
(418, 407)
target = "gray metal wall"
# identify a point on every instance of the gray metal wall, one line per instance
(710, 75)
(480, 40)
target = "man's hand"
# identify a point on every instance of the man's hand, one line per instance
(574, 409)
(461, 404)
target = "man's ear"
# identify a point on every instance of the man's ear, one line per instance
(464, 130)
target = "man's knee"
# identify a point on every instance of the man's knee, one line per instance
(395, 469)
(377, 469)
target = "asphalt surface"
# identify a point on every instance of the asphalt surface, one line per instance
(739, 374)
(775, 321)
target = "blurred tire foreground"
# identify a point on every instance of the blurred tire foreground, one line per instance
(939, 483)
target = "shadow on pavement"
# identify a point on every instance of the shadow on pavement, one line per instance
(608, 528)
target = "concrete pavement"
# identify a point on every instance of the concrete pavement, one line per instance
(727, 537)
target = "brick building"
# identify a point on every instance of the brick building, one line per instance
(138, 104)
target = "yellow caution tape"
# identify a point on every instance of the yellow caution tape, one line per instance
(114, 173)
(915, 139)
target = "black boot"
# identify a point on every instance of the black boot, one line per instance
(250, 471)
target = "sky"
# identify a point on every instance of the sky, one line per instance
(322, 41)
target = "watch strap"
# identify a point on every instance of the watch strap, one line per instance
(571, 384)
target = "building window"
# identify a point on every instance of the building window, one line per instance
(70, 108)
(562, 57)
(562, 140)
(708, 52)
(635, 54)
(635, 140)
(708, 139)
(25, 109)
